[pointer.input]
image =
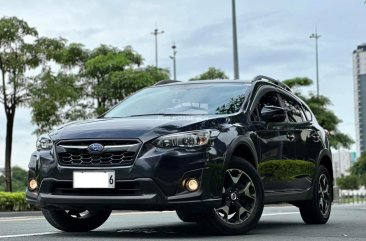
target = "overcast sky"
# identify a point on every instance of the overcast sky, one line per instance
(273, 38)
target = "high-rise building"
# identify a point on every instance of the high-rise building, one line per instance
(359, 77)
(342, 162)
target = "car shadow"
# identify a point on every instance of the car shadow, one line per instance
(175, 231)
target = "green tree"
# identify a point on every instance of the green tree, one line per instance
(19, 179)
(16, 57)
(21, 50)
(55, 94)
(124, 83)
(87, 83)
(101, 64)
(19, 176)
(211, 74)
(320, 107)
(55, 98)
(350, 182)
(363, 180)
(359, 168)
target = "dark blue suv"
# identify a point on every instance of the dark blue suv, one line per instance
(214, 151)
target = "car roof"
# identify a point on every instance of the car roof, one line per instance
(261, 79)
(218, 81)
(224, 81)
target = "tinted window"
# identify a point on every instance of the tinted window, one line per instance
(268, 99)
(187, 99)
(308, 114)
(293, 109)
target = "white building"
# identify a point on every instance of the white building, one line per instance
(359, 78)
(342, 162)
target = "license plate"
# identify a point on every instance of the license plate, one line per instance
(100, 179)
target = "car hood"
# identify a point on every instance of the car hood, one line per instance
(143, 128)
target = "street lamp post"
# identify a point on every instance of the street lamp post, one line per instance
(235, 42)
(156, 33)
(316, 36)
(174, 47)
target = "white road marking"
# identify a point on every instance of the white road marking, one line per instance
(26, 235)
(275, 214)
(15, 219)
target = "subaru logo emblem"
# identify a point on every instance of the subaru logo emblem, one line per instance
(95, 148)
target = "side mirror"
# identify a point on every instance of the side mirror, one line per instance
(273, 114)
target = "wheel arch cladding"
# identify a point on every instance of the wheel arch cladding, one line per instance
(243, 151)
(327, 163)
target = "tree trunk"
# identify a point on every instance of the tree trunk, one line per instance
(8, 147)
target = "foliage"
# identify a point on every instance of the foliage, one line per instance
(363, 180)
(232, 106)
(19, 179)
(51, 95)
(319, 105)
(211, 74)
(16, 57)
(87, 84)
(2, 183)
(285, 170)
(124, 83)
(359, 168)
(350, 182)
(13, 201)
(103, 61)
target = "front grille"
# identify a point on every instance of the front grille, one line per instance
(115, 153)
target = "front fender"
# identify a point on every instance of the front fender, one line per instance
(241, 141)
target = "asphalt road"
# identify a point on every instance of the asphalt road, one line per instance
(277, 223)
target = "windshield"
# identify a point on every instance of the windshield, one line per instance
(185, 99)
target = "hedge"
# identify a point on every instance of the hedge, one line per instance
(286, 170)
(14, 201)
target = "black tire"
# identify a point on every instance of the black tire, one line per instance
(187, 216)
(76, 220)
(317, 210)
(240, 211)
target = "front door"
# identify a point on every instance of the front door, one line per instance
(276, 145)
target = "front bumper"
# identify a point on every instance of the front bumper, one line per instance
(148, 197)
(153, 182)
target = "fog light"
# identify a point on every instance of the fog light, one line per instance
(192, 184)
(33, 184)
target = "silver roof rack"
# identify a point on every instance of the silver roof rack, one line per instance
(271, 80)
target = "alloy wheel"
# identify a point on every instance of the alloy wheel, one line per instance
(77, 213)
(239, 197)
(324, 195)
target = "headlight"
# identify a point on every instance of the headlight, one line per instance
(44, 142)
(185, 139)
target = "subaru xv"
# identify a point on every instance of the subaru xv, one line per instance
(214, 151)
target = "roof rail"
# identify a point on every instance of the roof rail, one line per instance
(271, 80)
(163, 82)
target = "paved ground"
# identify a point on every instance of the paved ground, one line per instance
(277, 223)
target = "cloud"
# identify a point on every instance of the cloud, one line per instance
(273, 38)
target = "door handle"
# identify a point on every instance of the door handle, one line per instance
(290, 136)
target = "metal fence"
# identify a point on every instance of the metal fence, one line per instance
(351, 198)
